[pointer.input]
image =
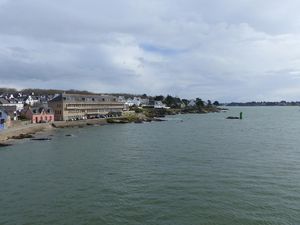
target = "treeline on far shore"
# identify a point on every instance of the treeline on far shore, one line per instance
(281, 103)
(170, 101)
(41, 92)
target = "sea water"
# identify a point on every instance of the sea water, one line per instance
(190, 169)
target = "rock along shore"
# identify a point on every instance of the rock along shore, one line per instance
(25, 131)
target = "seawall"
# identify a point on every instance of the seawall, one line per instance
(79, 123)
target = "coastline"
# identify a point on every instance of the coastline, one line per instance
(26, 131)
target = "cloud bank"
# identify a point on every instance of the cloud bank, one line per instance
(219, 50)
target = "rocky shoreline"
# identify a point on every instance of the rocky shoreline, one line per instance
(28, 131)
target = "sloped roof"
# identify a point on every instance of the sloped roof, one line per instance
(83, 97)
(9, 110)
(39, 110)
(3, 101)
(56, 98)
(3, 111)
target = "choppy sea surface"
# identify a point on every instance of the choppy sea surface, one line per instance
(191, 169)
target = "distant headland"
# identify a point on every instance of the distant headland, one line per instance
(265, 103)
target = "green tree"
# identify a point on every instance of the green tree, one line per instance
(159, 98)
(172, 102)
(8, 90)
(216, 103)
(185, 101)
(199, 103)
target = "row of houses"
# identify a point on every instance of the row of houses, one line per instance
(64, 107)
(142, 102)
(150, 103)
(61, 107)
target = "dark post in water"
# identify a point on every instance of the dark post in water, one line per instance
(241, 115)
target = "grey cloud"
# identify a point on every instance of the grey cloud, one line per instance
(225, 50)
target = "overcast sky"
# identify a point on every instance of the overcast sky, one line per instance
(224, 50)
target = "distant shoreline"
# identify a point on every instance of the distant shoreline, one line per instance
(261, 105)
(27, 131)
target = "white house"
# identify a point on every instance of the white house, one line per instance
(160, 105)
(31, 100)
(135, 101)
(144, 101)
(192, 103)
(12, 102)
(121, 99)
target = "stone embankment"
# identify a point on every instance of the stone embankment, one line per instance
(79, 123)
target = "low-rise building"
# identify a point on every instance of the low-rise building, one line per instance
(192, 103)
(4, 119)
(137, 101)
(133, 102)
(160, 105)
(78, 106)
(31, 100)
(11, 102)
(11, 111)
(39, 114)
